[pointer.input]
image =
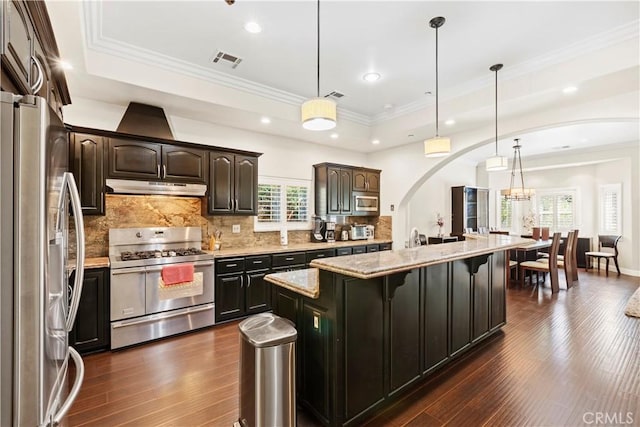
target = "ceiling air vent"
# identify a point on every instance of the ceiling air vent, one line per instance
(224, 58)
(335, 94)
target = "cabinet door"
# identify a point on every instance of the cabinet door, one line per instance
(257, 292)
(246, 185)
(460, 306)
(481, 309)
(91, 329)
(18, 40)
(483, 208)
(436, 315)
(183, 164)
(133, 160)
(229, 297)
(333, 191)
(221, 182)
(345, 191)
(373, 182)
(498, 287)
(364, 343)
(404, 336)
(359, 180)
(88, 171)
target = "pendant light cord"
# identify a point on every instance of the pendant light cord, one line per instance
(437, 133)
(318, 51)
(496, 112)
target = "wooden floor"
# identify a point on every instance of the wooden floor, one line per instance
(559, 360)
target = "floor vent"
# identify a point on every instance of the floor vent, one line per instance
(335, 94)
(224, 58)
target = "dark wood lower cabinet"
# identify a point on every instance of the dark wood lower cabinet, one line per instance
(363, 342)
(91, 329)
(257, 292)
(229, 297)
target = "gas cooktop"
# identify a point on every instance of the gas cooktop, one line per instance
(129, 256)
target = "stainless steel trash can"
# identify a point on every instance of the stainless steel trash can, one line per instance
(267, 372)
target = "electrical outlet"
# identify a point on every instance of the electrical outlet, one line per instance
(393, 208)
(316, 321)
(235, 228)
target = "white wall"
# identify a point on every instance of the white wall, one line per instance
(434, 196)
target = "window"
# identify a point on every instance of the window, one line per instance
(610, 209)
(556, 209)
(506, 212)
(283, 203)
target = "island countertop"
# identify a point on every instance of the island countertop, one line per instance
(376, 264)
(304, 282)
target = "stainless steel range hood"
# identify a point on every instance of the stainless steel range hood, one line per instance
(125, 186)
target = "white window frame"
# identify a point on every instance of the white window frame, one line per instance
(616, 188)
(559, 192)
(276, 226)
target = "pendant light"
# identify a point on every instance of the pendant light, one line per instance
(496, 162)
(438, 146)
(318, 113)
(517, 193)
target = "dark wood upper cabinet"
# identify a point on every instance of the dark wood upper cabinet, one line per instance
(134, 160)
(333, 189)
(29, 53)
(366, 181)
(87, 155)
(469, 209)
(18, 41)
(130, 159)
(233, 184)
(184, 164)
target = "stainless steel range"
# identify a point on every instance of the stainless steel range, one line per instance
(142, 306)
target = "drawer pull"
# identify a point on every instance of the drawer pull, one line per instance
(257, 262)
(289, 258)
(231, 265)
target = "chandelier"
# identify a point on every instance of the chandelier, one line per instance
(514, 192)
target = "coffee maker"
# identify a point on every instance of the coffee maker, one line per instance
(323, 231)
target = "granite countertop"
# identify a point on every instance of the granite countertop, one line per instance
(98, 262)
(293, 247)
(376, 264)
(304, 282)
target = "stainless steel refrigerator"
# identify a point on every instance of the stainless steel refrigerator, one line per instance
(37, 309)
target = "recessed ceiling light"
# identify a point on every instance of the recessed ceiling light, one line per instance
(253, 27)
(561, 147)
(371, 77)
(375, 142)
(66, 65)
(584, 140)
(450, 122)
(388, 107)
(333, 136)
(569, 89)
(265, 120)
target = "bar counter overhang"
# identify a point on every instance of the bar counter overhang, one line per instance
(370, 326)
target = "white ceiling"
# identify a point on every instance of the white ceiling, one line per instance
(110, 42)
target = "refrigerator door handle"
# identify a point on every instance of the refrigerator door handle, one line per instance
(70, 183)
(77, 383)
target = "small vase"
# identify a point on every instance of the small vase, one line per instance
(440, 232)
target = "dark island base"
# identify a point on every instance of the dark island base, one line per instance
(363, 343)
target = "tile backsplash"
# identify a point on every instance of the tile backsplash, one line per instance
(124, 211)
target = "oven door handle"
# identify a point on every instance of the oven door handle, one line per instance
(195, 264)
(115, 272)
(161, 317)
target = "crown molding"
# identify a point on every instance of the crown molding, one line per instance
(95, 40)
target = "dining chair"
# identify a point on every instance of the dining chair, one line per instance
(550, 266)
(605, 241)
(570, 253)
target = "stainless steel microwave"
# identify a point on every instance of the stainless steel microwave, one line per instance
(365, 203)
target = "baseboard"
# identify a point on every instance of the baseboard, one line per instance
(627, 271)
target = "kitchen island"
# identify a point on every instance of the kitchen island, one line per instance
(372, 325)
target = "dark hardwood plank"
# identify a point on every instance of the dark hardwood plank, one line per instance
(558, 357)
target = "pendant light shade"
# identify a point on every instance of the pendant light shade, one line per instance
(437, 146)
(515, 192)
(496, 162)
(318, 113)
